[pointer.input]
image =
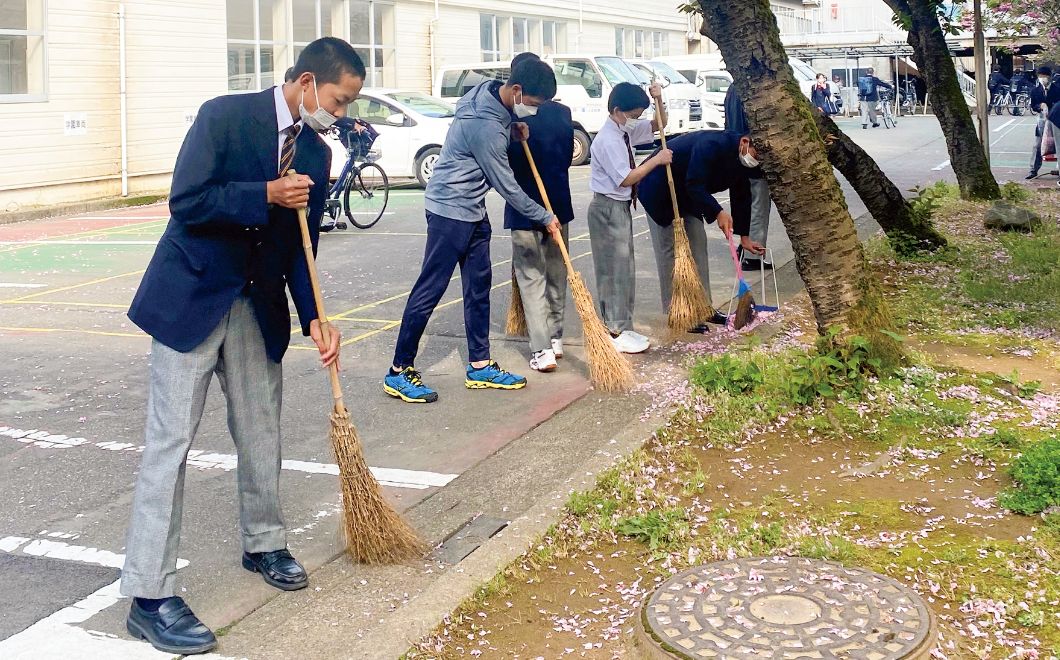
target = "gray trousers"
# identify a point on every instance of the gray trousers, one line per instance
(868, 112)
(662, 239)
(542, 278)
(611, 238)
(252, 386)
(760, 207)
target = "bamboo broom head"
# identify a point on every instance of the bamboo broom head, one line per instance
(515, 325)
(375, 533)
(609, 370)
(688, 305)
(745, 311)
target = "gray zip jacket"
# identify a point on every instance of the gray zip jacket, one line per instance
(475, 159)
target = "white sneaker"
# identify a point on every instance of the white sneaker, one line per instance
(557, 348)
(543, 361)
(639, 337)
(630, 342)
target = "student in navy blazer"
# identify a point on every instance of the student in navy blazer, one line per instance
(214, 300)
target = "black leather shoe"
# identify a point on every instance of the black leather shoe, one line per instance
(756, 264)
(1031, 175)
(700, 329)
(174, 628)
(718, 318)
(278, 568)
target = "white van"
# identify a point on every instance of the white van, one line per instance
(683, 100)
(583, 85)
(708, 72)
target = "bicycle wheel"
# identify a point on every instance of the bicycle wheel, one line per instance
(366, 195)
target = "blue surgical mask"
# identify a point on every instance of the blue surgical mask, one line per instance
(320, 119)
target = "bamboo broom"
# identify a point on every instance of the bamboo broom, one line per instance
(688, 304)
(608, 369)
(515, 325)
(375, 533)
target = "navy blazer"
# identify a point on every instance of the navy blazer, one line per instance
(223, 238)
(705, 163)
(552, 144)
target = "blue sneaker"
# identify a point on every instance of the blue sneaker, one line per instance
(408, 386)
(492, 376)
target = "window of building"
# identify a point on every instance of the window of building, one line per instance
(488, 38)
(373, 37)
(620, 42)
(520, 36)
(659, 44)
(638, 43)
(258, 52)
(22, 50)
(313, 19)
(549, 38)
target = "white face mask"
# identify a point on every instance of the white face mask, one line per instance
(747, 160)
(320, 120)
(522, 110)
(631, 124)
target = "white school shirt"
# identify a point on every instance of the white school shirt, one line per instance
(283, 121)
(610, 159)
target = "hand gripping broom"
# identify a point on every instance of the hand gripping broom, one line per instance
(375, 533)
(608, 369)
(688, 304)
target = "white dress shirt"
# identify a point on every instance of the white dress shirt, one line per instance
(609, 166)
(283, 121)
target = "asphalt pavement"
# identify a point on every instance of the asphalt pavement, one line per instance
(73, 384)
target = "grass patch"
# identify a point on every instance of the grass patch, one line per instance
(1037, 476)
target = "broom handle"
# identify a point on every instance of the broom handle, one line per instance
(548, 204)
(735, 259)
(669, 170)
(325, 328)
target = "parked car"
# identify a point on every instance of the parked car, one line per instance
(583, 85)
(682, 100)
(412, 128)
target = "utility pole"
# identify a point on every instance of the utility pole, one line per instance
(982, 92)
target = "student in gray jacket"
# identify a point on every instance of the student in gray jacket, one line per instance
(473, 160)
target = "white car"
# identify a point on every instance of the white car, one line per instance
(412, 128)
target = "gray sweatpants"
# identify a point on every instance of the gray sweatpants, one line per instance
(542, 278)
(760, 208)
(662, 239)
(868, 112)
(252, 386)
(611, 238)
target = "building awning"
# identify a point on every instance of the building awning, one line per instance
(899, 49)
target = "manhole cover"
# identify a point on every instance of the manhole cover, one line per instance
(785, 608)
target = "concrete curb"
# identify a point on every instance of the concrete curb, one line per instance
(105, 204)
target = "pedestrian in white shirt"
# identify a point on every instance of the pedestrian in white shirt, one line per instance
(614, 177)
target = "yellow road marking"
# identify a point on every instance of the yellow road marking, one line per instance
(65, 303)
(82, 234)
(74, 330)
(74, 286)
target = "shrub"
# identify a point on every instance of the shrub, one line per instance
(1037, 476)
(726, 373)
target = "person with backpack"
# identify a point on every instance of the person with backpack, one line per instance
(869, 96)
(1044, 96)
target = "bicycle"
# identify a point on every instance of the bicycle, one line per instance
(889, 120)
(1002, 99)
(909, 98)
(362, 189)
(1021, 105)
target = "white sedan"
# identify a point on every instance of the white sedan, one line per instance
(411, 125)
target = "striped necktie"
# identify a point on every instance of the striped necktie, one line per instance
(632, 166)
(287, 152)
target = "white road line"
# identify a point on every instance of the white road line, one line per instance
(67, 552)
(21, 285)
(391, 477)
(1005, 125)
(84, 242)
(944, 164)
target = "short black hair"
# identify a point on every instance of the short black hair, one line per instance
(1045, 71)
(328, 58)
(523, 57)
(288, 75)
(627, 96)
(535, 77)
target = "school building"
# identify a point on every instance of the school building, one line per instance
(97, 95)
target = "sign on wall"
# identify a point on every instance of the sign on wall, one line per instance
(75, 123)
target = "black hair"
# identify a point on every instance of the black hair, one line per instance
(288, 75)
(627, 96)
(523, 57)
(535, 77)
(328, 59)
(996, 68)
(1045, 71)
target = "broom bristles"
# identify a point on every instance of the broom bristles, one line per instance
(375, 533)
(515, 325)
(688, 305)
(609, 370)
(745, 311)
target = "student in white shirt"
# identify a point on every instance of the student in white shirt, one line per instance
(613, 179)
